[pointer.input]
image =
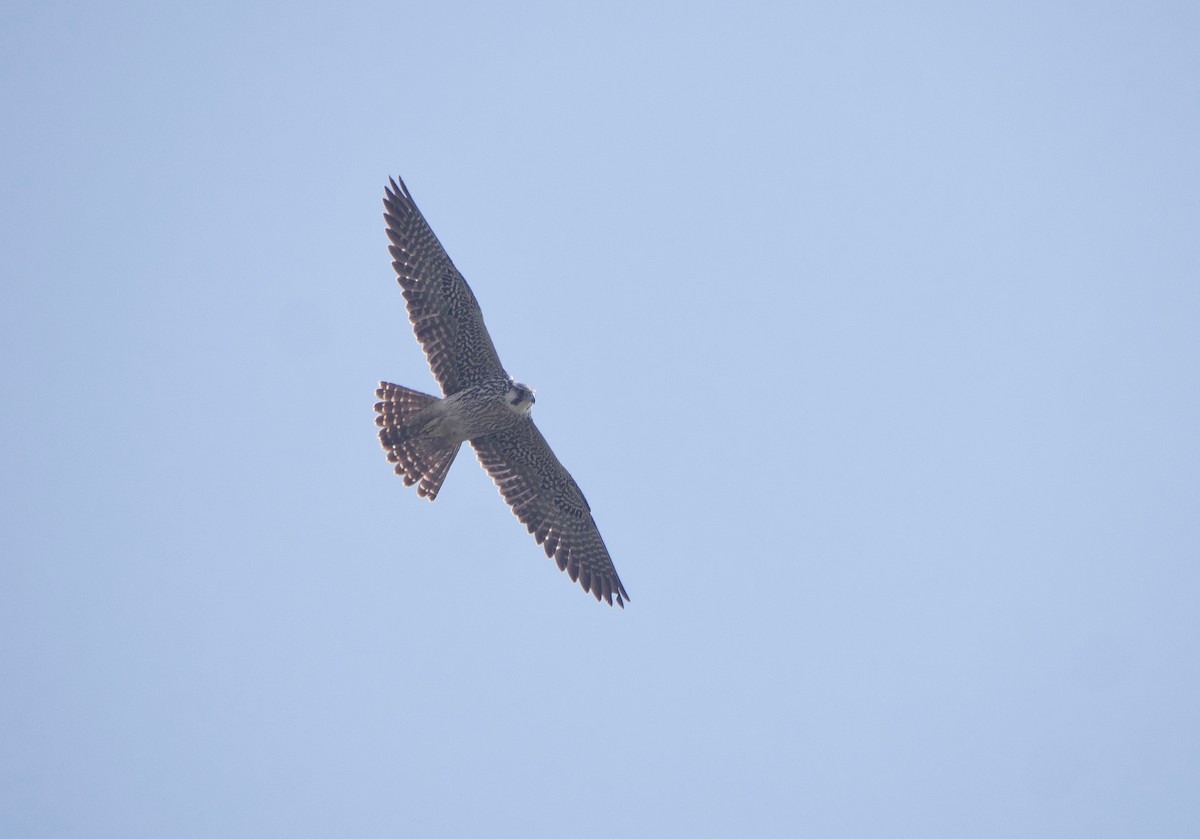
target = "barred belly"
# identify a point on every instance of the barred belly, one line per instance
(482, 409)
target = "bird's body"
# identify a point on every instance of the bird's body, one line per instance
(481, 404)
(476, 411)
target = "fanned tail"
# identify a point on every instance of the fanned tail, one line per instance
(423, 460)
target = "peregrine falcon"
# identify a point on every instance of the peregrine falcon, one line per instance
(480, 403)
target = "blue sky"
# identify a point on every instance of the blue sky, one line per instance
(869, 330)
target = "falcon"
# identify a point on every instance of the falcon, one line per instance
(481, 404)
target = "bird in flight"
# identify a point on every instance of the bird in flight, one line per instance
(480, 403)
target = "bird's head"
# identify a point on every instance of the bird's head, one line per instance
(520, 397)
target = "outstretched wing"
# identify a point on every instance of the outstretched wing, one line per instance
(441, 307)
(548, 501)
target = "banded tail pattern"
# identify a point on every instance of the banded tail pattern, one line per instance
(418, 459)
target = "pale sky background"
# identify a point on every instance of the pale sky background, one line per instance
(871, 331)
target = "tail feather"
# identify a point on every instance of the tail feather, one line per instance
(419, 460)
